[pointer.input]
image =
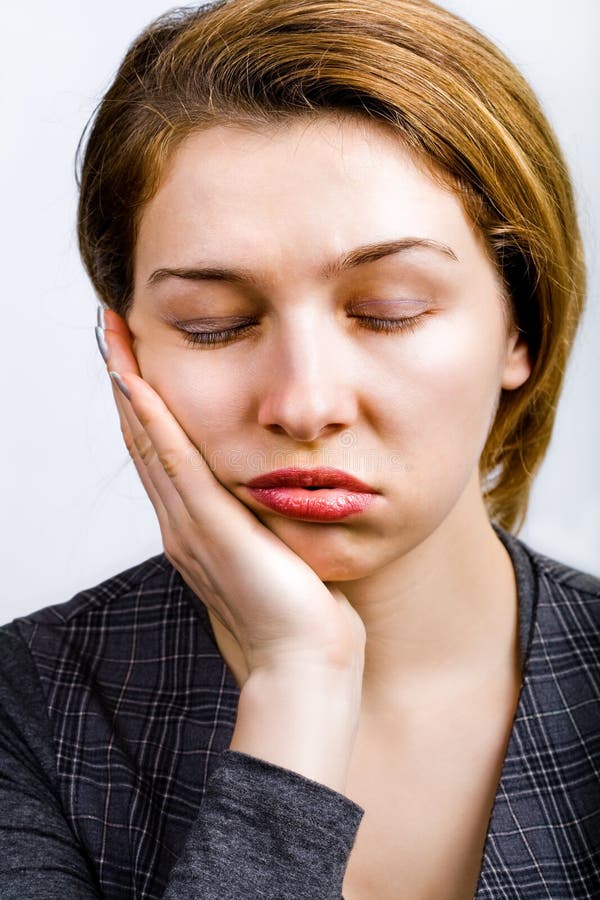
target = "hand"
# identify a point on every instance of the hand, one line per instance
(273, 605)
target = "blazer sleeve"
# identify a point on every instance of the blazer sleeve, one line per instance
(261, 831)
(264, 831)
(39, 854)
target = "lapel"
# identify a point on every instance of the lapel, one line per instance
(545, 816)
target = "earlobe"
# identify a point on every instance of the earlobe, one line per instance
(517, 368)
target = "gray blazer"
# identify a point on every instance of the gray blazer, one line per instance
(116, 781)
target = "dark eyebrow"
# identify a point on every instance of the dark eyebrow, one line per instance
(357, 257)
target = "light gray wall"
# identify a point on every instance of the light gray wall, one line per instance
(74, 511)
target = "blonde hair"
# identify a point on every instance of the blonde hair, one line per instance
(447, 92)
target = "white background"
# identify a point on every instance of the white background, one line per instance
(74, 511)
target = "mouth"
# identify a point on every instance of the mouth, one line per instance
(312, 495)
(322, 478)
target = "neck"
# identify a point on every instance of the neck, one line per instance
(442, 619)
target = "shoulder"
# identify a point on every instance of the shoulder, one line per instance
(117, 591)
(552, 578)
(563, 578)
(559, 611)
(568, 620)
(102, 624)
(104, 600)
(565, 585)
(565, 634)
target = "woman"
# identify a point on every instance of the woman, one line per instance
(340, 273)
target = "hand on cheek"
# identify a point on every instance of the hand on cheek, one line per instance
(274, 605)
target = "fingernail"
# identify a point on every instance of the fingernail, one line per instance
(100, 316)
(120, 384)
(102, 347)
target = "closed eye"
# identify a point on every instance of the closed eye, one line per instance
(208, 338)
(409, 323)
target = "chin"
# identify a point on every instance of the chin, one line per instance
(344, 562)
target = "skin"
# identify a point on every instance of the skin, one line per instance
(408, 412)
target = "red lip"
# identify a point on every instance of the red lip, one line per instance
(323, 477)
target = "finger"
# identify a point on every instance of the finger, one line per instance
(119, 326)
(164, 496)
(201, 493)
(142, 470)
(165, 499)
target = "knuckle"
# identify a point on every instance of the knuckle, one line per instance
(144, 418)
(146, 451)
(168, 461)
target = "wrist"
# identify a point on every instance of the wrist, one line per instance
(302, 721)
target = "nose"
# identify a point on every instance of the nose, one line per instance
(308, 392)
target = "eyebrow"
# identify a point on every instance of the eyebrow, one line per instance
(350, 260)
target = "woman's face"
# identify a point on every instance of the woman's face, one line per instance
(310, 383)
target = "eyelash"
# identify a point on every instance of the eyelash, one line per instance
(195, 338)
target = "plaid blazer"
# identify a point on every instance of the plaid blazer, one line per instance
(116, 779)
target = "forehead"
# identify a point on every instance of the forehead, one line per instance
(307, 189)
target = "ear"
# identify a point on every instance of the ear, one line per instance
(517, 365)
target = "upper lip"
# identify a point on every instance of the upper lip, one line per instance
(319, 477)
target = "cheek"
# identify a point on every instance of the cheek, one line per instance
(207, 400)
(443, 392)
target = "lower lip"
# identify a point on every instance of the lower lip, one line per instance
(324, 505)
